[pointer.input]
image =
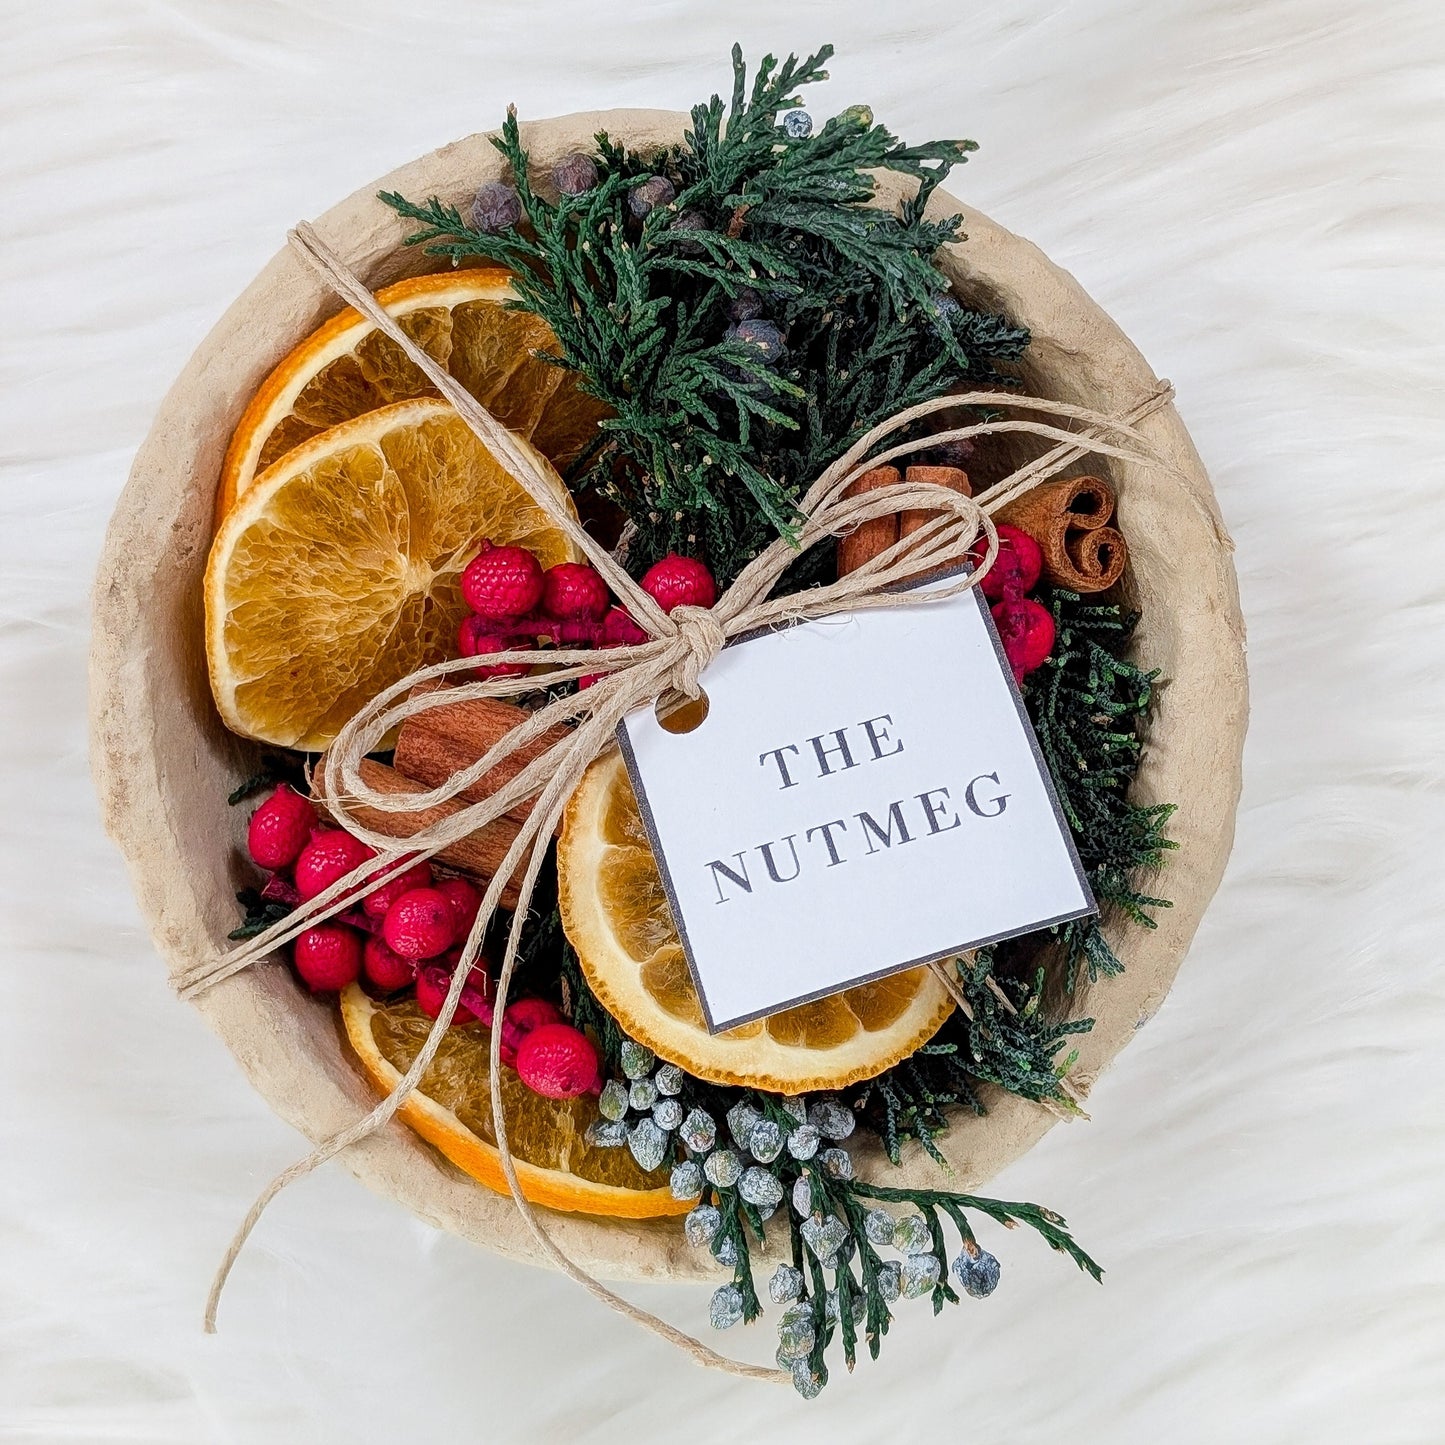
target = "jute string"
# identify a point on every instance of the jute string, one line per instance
(671, 661)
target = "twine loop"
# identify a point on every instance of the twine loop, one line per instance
(701, 637)
(677, 651)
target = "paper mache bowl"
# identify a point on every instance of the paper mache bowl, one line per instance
(164, 763)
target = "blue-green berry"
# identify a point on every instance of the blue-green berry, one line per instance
(878, 1225)
(806, 1381)
(824, 1237)
(648, 1144)
(636, 1060)
(699, 1131)
(760, 1187)
(606, 1133)
(796, 1332)
(832, 1119)
(786, 1284)
(803, 1195)
(911, 1234)
(920, 1273)
(723, 1168)
(686, 1180)
(725, 1308)
(613, 1101)
(765, 1143)
(803, 1142)
(741, 1120)
(890, 1280)
(700, 1224)
(797, 125)
(978, 1273)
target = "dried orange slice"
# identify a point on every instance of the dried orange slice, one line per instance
(337, 573)
(615, 914)
(556, 1166)
(347, 368)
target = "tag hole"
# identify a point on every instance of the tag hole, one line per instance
(677, 713)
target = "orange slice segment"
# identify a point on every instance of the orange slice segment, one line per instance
(615, 914)
(452, 1111)
(337, 573)
(347, 368)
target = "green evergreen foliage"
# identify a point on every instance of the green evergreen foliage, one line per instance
(259, 914)
(1010, 1041)
(714, 437)
(846, 1294)
(1088, 703)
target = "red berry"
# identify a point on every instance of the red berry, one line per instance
(465, 903)
(384, 968)
(280, 828)
(419, 924)
(1026, 629)
(573, 592)
(331, 854)
(520, 1019)
(1016, 569)
(501, 583)
(619, 630)
(277, 890)
(434, 979)
(679, 582)
(379, 900)
(478, 642)
(328, 956)
(469, 630)
(558, 1062)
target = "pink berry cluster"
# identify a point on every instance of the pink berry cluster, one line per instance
(405, 933)
(1025, 627)
(515, 604)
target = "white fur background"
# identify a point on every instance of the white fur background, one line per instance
(1254, 189)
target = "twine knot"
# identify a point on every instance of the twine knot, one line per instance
(700, 637)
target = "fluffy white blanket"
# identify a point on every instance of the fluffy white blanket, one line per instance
(1255, 192)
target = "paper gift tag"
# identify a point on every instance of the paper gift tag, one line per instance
(864, 795)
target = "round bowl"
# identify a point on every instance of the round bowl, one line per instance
(164, 763)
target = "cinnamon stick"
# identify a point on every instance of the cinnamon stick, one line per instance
(480, 853)
(874, 536)
(435, 745)
(956, 480)
(1069, 519)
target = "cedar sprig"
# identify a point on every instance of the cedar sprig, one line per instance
(260, 914)
(1088, 704)
(855, 1302)
(1010, 1041)
(711, 442)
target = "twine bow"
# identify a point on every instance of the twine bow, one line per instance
(674, 657)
